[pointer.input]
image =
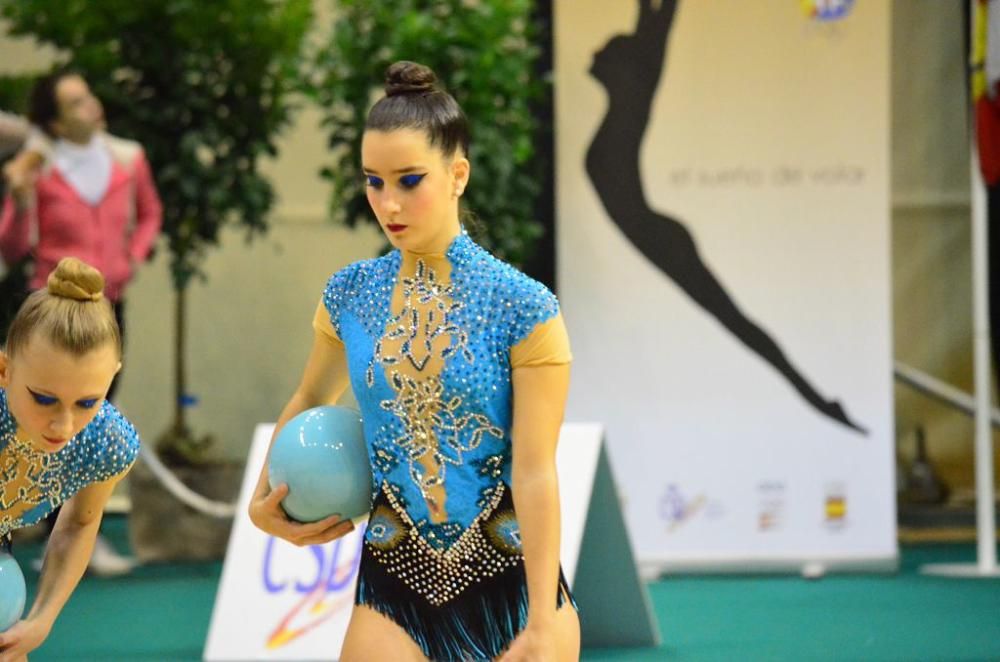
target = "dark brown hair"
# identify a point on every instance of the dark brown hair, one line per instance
(414, 100)
(43, 106)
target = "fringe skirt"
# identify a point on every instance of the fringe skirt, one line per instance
(465, 603)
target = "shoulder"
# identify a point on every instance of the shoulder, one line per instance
(110, 442)
(351, 289)
(522, 301)
(124, 151)
(527, 293)
(533, 304)
(352, 279)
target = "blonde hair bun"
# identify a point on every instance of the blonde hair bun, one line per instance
(77, 280)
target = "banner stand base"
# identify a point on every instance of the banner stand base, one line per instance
(615, 609)
(967, 570)
(713, 565)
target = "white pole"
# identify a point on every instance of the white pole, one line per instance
(985, 522)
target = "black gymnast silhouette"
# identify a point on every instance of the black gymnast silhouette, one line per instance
(629, 67)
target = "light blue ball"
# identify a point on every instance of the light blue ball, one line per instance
(12, 591)
(321, 455)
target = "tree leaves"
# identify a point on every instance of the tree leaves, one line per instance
(483, 54)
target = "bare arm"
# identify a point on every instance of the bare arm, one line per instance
(13, 132)
(539, 401)
(16, 215)
(21, 171)
(66, 557)
(323, 382)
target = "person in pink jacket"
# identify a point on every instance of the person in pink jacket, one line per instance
(94, 198)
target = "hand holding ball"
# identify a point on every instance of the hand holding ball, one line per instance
(321, 455)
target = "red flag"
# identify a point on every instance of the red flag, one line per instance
(985, 60)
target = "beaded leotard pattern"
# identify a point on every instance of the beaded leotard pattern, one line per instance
(428, 342)
(33, 483)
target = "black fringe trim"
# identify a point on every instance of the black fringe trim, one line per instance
(479, 624)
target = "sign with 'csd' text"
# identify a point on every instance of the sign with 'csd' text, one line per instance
(276, 600)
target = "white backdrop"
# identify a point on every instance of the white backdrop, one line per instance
(768, 140)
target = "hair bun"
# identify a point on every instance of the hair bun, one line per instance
(75, 279)
(405, 77)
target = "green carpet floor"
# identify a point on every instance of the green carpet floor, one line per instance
(162, 613)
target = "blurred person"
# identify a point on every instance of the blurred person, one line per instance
(93, 196)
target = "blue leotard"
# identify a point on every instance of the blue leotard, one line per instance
(431, 342)
(33, 482)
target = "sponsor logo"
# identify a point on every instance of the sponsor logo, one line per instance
(827, 10)
(676, 508)
(770, 505)
(326, 586)
(835, 506)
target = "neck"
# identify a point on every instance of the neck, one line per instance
(439, 244)
(78, 140)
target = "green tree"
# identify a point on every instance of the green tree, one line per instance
(484, 53)
(206, 87)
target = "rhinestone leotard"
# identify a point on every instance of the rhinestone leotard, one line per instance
(33, 483)
(431, 342)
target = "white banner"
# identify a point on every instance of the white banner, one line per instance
(723, 252)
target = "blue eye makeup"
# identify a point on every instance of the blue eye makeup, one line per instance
(410, 181)
(44, 400)
(373, 181)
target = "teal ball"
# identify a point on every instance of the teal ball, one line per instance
(12, 591)
(321, 455)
